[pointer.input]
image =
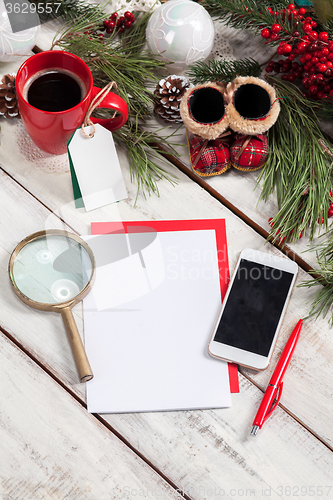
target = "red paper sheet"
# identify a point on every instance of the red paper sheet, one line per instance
(218, 225)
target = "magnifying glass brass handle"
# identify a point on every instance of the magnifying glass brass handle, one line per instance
(81, 360)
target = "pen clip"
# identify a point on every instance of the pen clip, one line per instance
(276, 401)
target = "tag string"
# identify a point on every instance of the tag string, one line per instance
(93, 105)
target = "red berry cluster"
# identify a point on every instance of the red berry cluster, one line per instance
(110, 25)
(119, 23)
(314, 50)
(273, 33)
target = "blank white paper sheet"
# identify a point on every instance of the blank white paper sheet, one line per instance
(148, 320)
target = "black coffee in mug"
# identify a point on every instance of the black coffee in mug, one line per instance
(54, 90)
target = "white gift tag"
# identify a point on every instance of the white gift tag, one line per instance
(97, 167)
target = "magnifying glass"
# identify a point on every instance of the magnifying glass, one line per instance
(54, 270)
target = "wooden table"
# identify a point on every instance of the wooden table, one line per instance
(52, 448)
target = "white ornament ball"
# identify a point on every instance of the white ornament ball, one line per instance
(14, 44)
(181, 31)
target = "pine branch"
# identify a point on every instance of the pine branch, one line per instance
(297, 166)
(326, 109)
(74, 9)
(135, 38)
(144, 157)
(329, 28)
(222, 71)
(322, 304)
(253, 15)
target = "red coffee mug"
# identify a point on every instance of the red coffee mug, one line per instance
(49, 130)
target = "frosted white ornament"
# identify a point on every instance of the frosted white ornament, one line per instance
(14, 44)
(181, 31)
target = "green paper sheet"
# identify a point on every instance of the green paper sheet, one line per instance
(76, 188)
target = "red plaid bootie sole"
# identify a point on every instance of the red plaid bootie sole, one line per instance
(248, 153)
(208, 158)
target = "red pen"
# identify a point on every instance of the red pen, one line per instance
(275, 385)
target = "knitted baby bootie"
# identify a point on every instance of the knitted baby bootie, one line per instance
(203, 112)
(252, 109)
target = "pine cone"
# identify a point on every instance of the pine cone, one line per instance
(8, 102)
(170, 90)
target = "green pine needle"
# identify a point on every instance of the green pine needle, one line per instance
(144, 157)
(297, 167)
(322, 304)
(326, 110)
(252, 15)
(329, 28)
(222, 71)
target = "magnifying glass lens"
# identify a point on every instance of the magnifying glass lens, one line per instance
(52, 269)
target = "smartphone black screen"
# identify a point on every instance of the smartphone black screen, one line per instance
(254, 307)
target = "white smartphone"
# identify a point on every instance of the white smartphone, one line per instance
(253, 309)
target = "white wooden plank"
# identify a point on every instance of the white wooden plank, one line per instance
(220, 456)
(55, 190)
(51, 448)
(311, 369)
(215, 441)
(21, 215)
(214, 451)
